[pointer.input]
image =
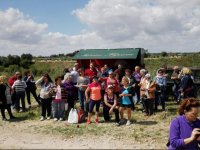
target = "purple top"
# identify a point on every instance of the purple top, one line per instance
(181, 129)
(137, 76)
(70, 88)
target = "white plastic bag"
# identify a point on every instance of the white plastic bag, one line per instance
(135, 99)
(66, 106)
(73, 116)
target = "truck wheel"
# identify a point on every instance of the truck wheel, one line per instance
(198, 93)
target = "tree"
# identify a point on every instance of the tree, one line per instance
(26, 60)
(164, 54)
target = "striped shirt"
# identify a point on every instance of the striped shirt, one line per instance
(19, 86)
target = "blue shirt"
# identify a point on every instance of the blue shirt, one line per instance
(126, 100)
(181, 129)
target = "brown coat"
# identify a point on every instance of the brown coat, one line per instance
(152, 89)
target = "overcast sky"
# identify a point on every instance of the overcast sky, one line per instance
(51, 27)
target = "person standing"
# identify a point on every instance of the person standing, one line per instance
(176, 80)
(83, 82)
(161, 83)
(31, 88)
(126, 94)
(11, 81)
(147, 90)
(2, 99)
(59, 100)
(19, 87)
(119, 72)
(137, 79)
(46, 93)
(91, 71)
(95, 98)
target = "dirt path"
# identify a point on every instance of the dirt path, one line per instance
(23, 136)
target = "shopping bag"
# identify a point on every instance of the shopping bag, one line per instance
(73, 116)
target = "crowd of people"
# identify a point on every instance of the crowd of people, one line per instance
(116, 90)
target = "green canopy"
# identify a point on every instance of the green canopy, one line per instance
(124, 53)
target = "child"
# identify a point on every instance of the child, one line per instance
(20, 86)
(126, 94)
(110, 105)
(59, 100)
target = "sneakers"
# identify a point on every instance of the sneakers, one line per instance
(97, 121)
(128, 123)
(42, 118)
(61, 119)
(117, 124)
(48, 118)
(88, 122)
(55, 119)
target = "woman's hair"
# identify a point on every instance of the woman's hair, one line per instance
(48, 77)
(26, 72)
(126, 79)
(128, 70)
(19, 77)
(187, 105)
(57, 78)
(186, 70)
(66, 70)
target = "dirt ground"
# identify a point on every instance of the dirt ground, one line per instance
(29, 134)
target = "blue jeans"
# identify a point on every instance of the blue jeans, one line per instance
(160, 99)
(83, 104)
(58, 109)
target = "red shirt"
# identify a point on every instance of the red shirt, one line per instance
(95, 91)
(12, 80)
(90, 73)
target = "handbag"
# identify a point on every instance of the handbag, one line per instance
(73, 116)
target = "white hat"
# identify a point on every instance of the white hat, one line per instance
(148, 75)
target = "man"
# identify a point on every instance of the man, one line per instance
(74, 73)
(119, 73)
(91, 71)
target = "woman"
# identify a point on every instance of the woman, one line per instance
(2, 98)
(59, 100)
(8, 94)
(46, 93)
(110, 105)
(19, 87)
(185, 129)
(147, 91)
(71, 92)
(82, 83)
(161, 84)
(187, 84)
(95, 98)
(111, 80)
(31, 87)
(126, 94)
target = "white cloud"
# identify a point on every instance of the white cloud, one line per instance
(155, 25)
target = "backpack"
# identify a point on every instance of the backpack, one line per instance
(81, 115)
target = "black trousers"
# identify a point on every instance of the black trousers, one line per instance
(148, 105)
(46, 107)
(107, 116)
(8, 107)
(28, 94)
